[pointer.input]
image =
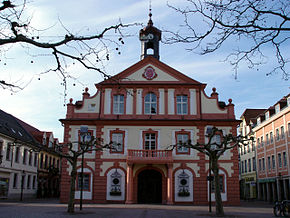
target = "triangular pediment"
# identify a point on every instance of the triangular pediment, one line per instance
(150, 70)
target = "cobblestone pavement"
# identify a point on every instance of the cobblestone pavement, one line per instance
(52, 209)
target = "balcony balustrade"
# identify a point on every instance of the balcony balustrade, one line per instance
(149, 156)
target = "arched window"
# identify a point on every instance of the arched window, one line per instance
(150, 103)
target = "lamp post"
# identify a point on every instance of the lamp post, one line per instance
(22, 184)
(84, 135)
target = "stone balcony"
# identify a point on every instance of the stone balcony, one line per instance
(149, 156)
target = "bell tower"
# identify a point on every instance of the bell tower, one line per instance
(150, 37)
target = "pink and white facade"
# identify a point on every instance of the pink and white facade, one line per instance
(272, 134)
(143, 110)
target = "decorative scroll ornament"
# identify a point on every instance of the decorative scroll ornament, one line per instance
(149, 73)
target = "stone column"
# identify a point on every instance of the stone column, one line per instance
(264, 192)
(129, 199)
(259, 191)
(268, 188)
(169, 184)
(274, 192)
(285, 189)
(278, 190)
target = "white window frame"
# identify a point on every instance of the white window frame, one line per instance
(181, 104)
(151, 103)
(118, 104)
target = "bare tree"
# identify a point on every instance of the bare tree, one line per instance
(72, 152)
(216, 146)
(89, 51)
(253, 26)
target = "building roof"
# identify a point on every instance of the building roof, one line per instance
(250, 114)
(11, 126)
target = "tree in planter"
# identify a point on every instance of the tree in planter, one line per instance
(216, 146)
(259, 31)
(72, 152)
(65, 49)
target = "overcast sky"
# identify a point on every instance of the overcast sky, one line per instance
(41, 103)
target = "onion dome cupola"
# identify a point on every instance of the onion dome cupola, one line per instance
(150, 37)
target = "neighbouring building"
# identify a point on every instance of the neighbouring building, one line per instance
(143, 110)
(29, 161)
(48, 173)
(247, 155)
(272, 133)
(18, 164)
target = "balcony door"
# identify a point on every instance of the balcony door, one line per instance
(149, 187)
(150, 141)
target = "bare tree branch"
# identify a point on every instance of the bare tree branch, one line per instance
(263, 24)
(86, 50)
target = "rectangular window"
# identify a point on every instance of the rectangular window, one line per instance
(269, 163)
(1, 147)
(49, 165)
(35, 159)
(242, 163)
(41, 161)
(28, 181)
(246, 168)
(245, 149)
(30, 158)
(267, 115)
(258, 141)
(34, 182)
(53, 162)
(253, 146)
(118, 105)
(254, 163)
(86, 182)
(277, 108)
(262, 141)
(24, 155)
(279, 160)
(117, 139)
(284, 159)
(282, 132)
(45, 161)
(249, 165)
(150, 141)
(23, 182)
(289, 129)
(277, 135)
(17, 151)
(150, 103)
(8, 152)
(15, 180)
(263, 163)
(267, 139)
(181, 104)
(182, 139)
(273, 162)
(221, 178)
(271, 137)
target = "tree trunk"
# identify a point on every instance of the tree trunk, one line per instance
(218, 198)
(71, 202)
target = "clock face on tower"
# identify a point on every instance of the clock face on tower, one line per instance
(149, 73)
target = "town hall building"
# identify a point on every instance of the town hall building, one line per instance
(143, 110)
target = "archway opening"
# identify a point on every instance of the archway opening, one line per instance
(149, 187)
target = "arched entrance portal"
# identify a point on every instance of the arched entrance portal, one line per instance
(149, 187)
